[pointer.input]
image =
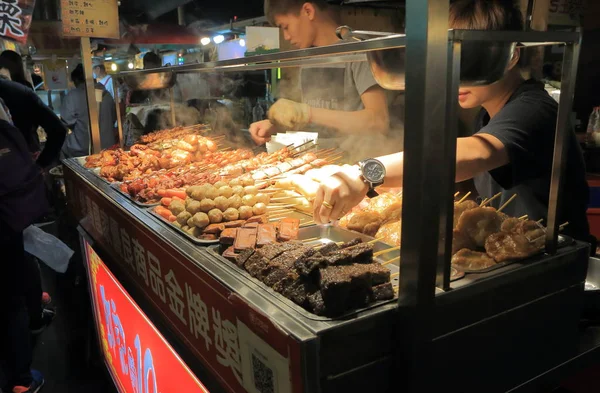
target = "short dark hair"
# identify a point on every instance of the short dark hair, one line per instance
(485, 15)
(78, 76)
(101, 66)
(14, 63)
(284, 7)
(151, 60)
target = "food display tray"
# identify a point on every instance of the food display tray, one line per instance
(326, 234)
(117, 187)
(563, 241)
(95, 171)
(200, 242)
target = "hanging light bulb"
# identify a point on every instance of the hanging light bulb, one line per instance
(130, 66)
(113, 67)
(218, 39)
(242, 42)
(205, 41)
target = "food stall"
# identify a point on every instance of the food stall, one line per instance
(199, 240)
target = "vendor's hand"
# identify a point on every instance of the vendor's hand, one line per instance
(261, 131)
(289, 114)
(338, 194)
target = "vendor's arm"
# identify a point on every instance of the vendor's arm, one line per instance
(344, 190)
(373, 118)
(55, 131)
(261, 131)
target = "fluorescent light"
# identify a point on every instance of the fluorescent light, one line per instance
(107, 58)
(205, 41)
(218, 39)
(242, 42)
(130, 66)
(113, 66)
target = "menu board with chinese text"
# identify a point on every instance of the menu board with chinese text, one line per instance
(90, 18)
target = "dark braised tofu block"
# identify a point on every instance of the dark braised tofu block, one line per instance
(296, 288)
(256, 264)
(328, 248)
(316, 303)
(274, 250)
(246, 238)
(285, 263)
(360, 253)
(351, 243)
(243, 257)
(383, 291)
(347, 287)
(228, 236)
(306, 266)
(266, 235)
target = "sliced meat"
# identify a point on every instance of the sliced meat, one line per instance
(479, 223)
(471, 260)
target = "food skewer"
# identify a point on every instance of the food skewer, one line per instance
(312, 239)
(374, 241)
(456, 194)
(307, 224)
(390, 261)
(541, 220)
(378, 253)
(482, 202)
(394, 275)
(507, 202)
(523, 217)
(488, 201)
(464, 198)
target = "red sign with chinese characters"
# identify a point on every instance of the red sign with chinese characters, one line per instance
(243, 348)
(15, 19)
(137, 355)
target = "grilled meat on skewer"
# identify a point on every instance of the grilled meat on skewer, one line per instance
(479, 223)
(466, 259)
(461, 241)
(460, 208)
(525, 239)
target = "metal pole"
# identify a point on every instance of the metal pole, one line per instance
(116, 85)
(90, 89)
(172, 99)
(563, 128)
(447, 184)
(425, 126)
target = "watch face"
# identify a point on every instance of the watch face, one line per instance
(373, 171)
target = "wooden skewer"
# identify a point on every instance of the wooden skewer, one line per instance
(392, 276)
(464, 198)
(280, 206)
(456, 194)
(484, 201)
(390, 261)
(488, 201)
(507, 202)
(285, 198)
(396, 289)
(562, 226)
(386, 251)
(374, 241)
(523, 217)
(305, 224)
(541, 220)
(286, 211)
(334, 159)
(312, 239)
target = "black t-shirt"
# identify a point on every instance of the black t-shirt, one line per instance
(28, 111)
(526, 127)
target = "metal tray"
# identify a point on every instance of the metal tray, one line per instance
(95, 171)
(194, 240)
(326, 234)
(116, 187)
(563, 241)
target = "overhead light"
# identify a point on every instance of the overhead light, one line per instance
(205, 41)
(108, 58)
(130, 65)
(113, 66)
(218, 39)
(242, 42)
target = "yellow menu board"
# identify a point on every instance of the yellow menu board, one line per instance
(90, 18)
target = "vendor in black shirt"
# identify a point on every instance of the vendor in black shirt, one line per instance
(511, 150)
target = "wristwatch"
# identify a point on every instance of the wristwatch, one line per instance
(373, 173)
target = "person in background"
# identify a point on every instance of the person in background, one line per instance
(338, 100)
(75, 115)
(151, 60)
(15, 66)
(511, 151)
(21, 187)
(103, 78)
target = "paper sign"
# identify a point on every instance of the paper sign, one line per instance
(90, 18)
(15, 19)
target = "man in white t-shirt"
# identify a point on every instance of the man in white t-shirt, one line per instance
(103, 78)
